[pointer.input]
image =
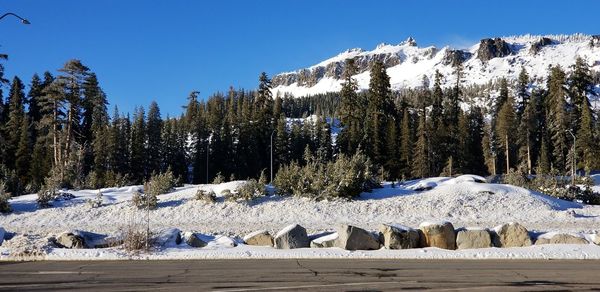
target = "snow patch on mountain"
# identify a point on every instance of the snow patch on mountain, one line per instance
(410, 66)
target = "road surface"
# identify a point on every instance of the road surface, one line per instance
(305, 275)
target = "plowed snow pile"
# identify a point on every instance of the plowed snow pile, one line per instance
(462, 201)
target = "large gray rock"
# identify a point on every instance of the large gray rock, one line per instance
(260, 238)
(398, 237)
(438, 234)
(70, 240)
(354, 238)
(511, 235)
(292, 236)
(328, 240)
(560, 238)
(2, 233)
(193, 240)
(473, 238)
(168, 237)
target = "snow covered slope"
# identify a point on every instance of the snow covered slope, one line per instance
(410, 66)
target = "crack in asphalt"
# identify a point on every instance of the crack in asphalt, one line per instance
(315, 273)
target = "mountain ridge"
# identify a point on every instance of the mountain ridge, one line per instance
(410, 66)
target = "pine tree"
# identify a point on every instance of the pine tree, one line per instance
(154, 143)
(352, 111)
(580, 85)
(488, 144)
(281, 147)
(22, 155)
(379, 112)
(392, 165)
(16, 115)
(505, 128)
(587, 145)
(34, 96)
(521, 92)
(557, 117)
(72, 78)
(436, 126)
(528, 132)
(406, 144)
(139, 157)
(420, 162)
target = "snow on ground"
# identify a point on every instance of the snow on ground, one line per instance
(462, 201)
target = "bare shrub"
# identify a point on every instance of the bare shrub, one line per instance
(208, 197)
(4, 197)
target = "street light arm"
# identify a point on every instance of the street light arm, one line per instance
(23, 20)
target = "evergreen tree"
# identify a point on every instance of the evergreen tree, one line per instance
(154, 143)
(352, 111)
(379, 112)
(139, 156)
(436, 126)
(521, 92)
(557, 117)
(580, 85)
(16, 115)
(505, 128)
(34, 96)
(420, 162)
(22, 156)
(528, 132)
(406, 144)
(587, 144)
(489, 149)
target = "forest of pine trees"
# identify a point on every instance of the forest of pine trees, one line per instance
(59, 129)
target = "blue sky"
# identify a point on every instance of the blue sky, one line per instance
(162, 50)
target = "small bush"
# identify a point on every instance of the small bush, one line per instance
(97, 201)
(144, 200)
(250, 190)
(45, 196)
(517, 178)
(219, 179)
(208, 197)
(160, 184)
(346, 177)
(137, 235)
(4, 197)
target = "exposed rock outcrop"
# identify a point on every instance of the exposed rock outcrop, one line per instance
(537, 46)
(493, 48)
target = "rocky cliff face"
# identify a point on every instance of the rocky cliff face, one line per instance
(408, 64)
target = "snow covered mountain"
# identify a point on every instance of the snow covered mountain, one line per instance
(410, 66)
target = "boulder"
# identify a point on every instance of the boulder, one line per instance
(560, 238)
(596, 239)
(328, 240)
(438, 234)
(192, 240)
(2, 233)
(261, 238)
(168, 237)
(292, 236)
(70, 240)
(473, 238)
(225, 241)
(354, 238)
(398, 236)
(511, 235)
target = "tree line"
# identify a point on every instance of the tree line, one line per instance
(60, 131)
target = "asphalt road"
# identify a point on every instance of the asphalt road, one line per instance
(306, 275)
